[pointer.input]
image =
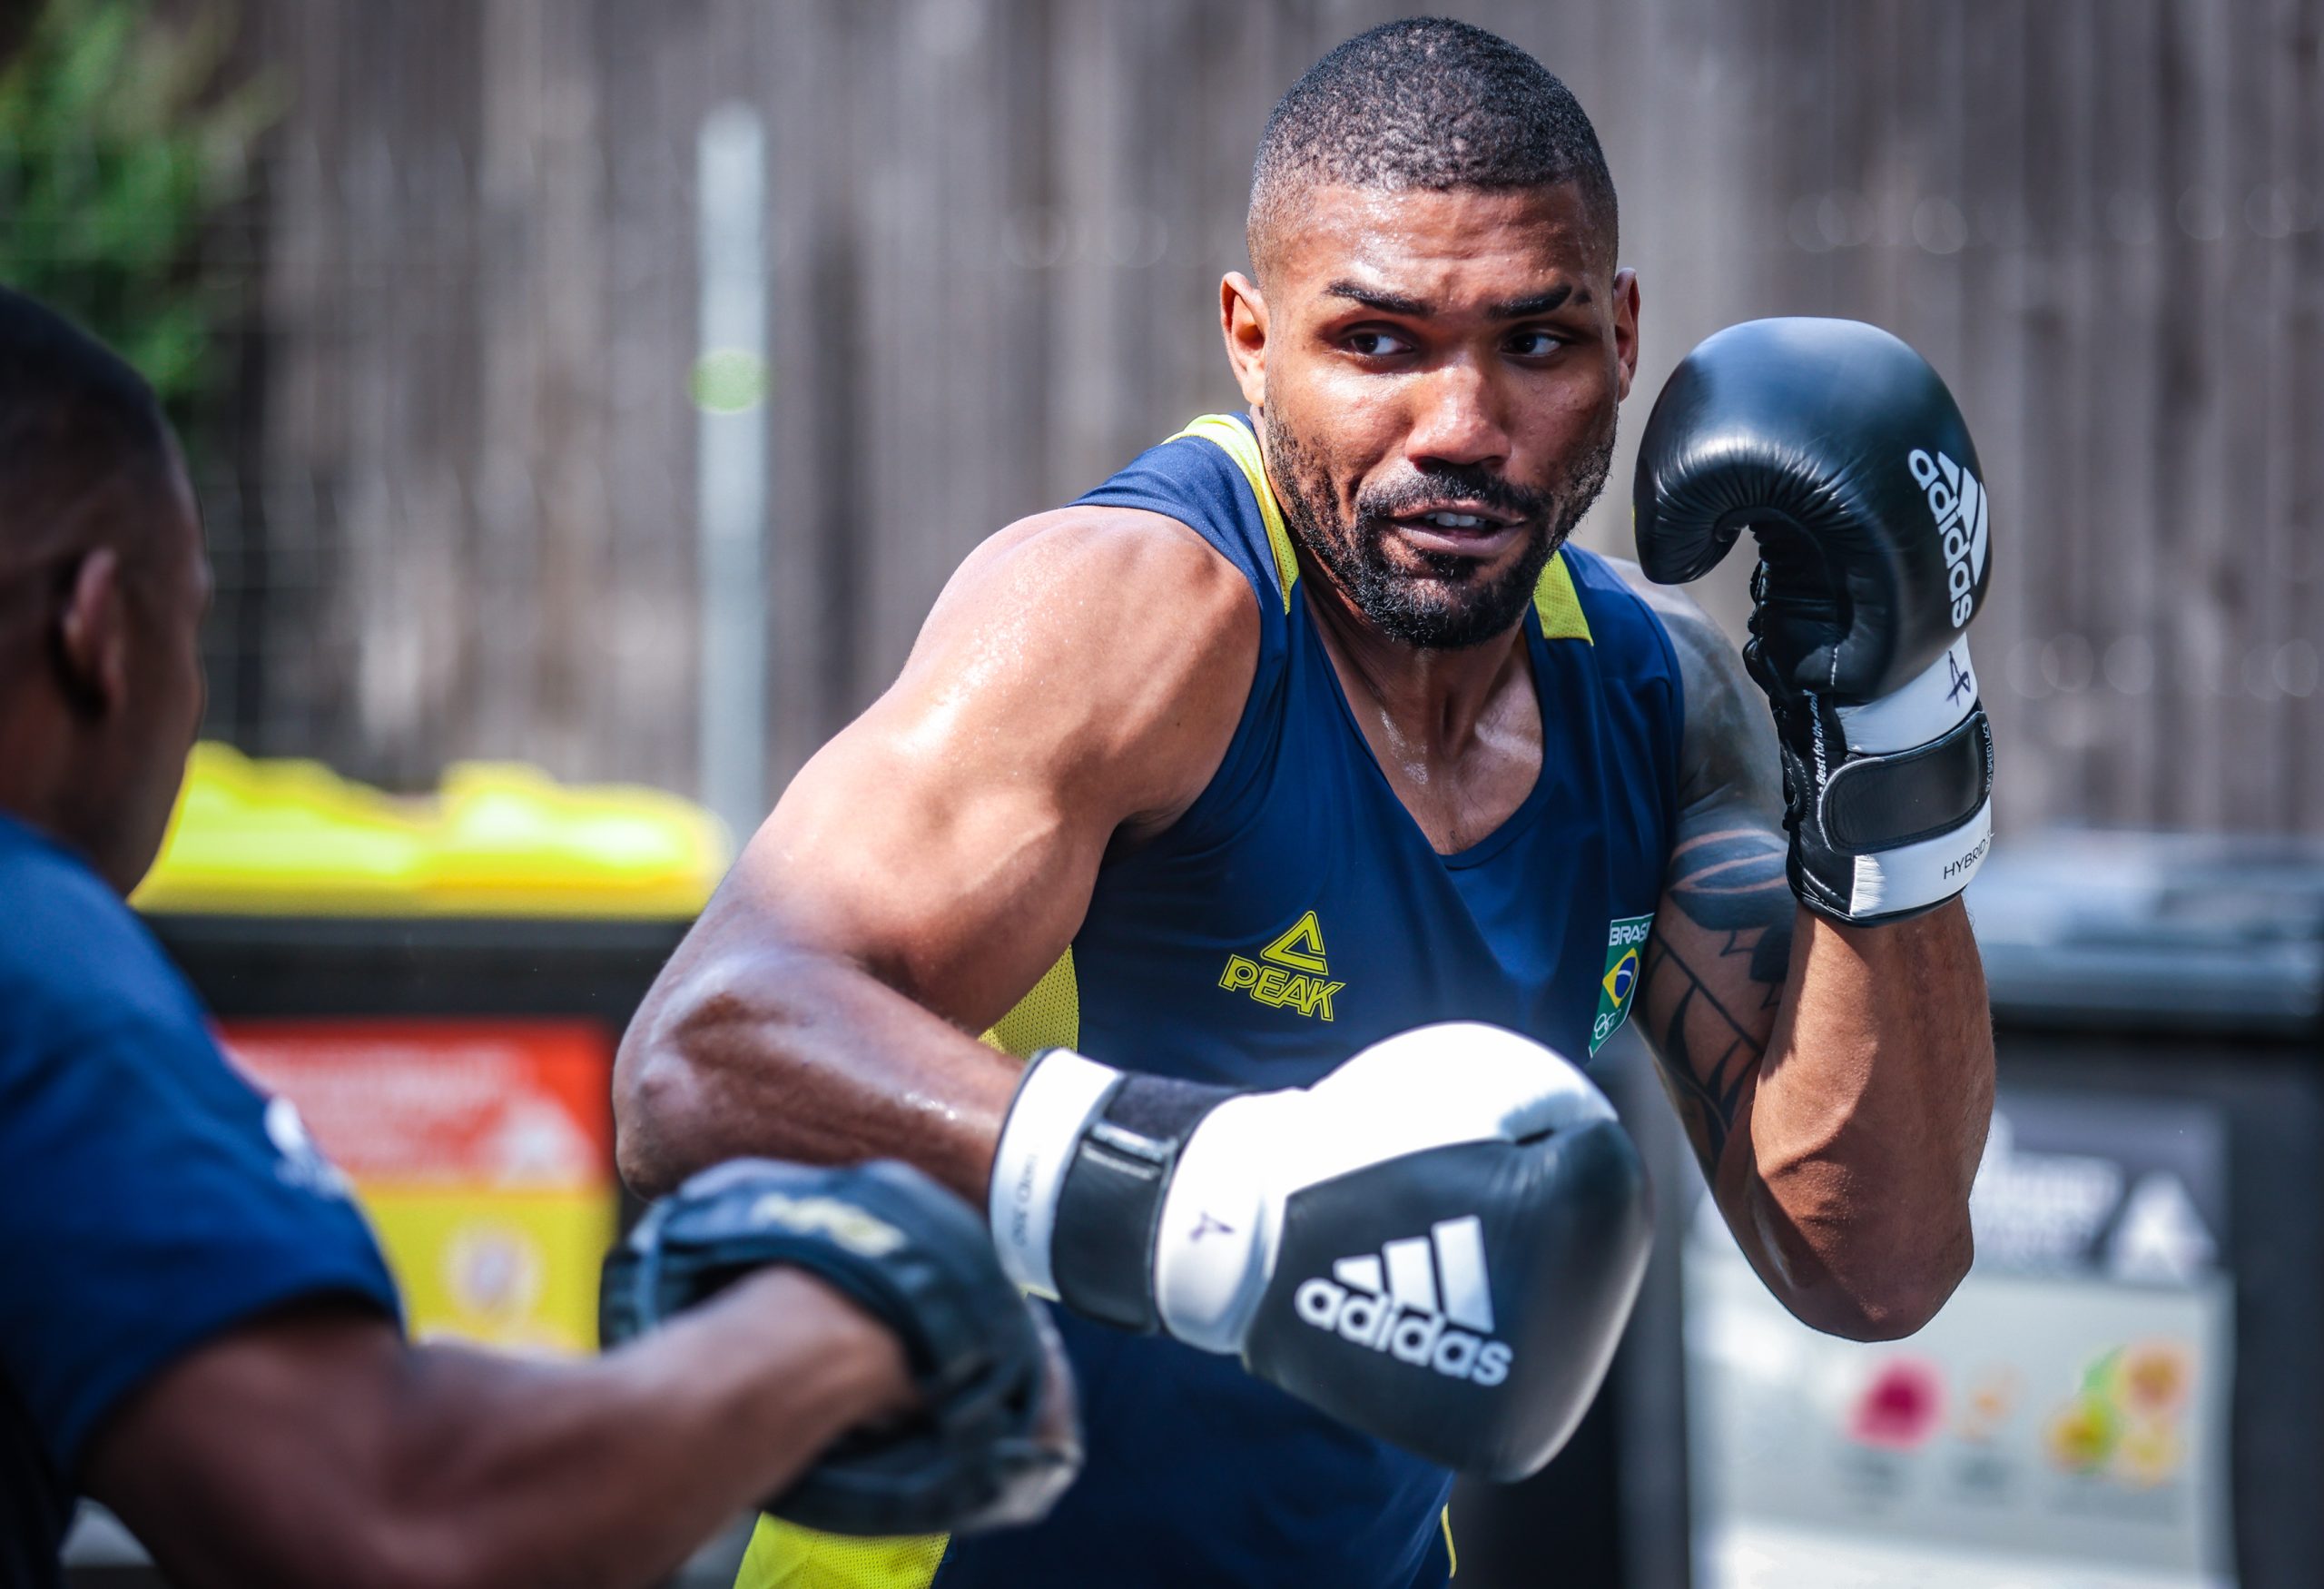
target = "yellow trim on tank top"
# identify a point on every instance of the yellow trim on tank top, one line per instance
(784, 1556)
(1048, 1017)
(1231, 437)
(1554, 599)
(1559, 604)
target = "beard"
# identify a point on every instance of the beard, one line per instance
(1451, 603)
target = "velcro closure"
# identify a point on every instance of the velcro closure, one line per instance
(1877, 803)
(1110, 1204)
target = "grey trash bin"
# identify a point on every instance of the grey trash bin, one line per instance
(2129, 1388)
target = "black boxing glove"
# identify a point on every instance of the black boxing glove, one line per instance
(1438, 1243)
(994, 1441)
(1842, 453)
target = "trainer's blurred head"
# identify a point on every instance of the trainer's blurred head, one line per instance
(103, 585)
(1439, 334)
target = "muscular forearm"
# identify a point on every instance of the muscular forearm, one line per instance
(1868, 1121)
(320, 1448)
(611, 1472)
(801, 1055)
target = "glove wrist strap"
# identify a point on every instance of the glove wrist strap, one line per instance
(1110, 1205)
(1057, 1096)
(1077, 1181)
(1897, 884)
(1890, 807)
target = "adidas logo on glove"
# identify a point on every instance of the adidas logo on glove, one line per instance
(1219, 1216)
(1389, 1301)
(1958, 502)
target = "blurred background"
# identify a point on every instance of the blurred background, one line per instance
(588, 397)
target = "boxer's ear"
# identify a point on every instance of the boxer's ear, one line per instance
(89, 638)
(1626, 307)
(1243, 320)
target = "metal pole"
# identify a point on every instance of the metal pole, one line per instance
(729, 389)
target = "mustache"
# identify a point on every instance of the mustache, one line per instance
(1430, 487)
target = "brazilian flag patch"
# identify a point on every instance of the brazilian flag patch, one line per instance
(1625, 942)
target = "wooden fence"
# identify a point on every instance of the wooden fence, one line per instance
(996, 228)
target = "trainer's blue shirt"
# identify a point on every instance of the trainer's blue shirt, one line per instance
(150, 1198)
(1295, 914)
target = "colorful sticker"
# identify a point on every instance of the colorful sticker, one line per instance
(1625, 943)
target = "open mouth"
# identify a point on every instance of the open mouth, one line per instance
(1468, 530)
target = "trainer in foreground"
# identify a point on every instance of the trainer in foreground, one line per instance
(195, 1325)
(1305, 780)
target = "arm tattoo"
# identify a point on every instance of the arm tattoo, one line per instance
(1729, 883)
(1715, 973)
(1714, 968)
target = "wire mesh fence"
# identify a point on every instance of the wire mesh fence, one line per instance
(447, 456)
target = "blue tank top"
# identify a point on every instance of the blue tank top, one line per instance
(1296, 913)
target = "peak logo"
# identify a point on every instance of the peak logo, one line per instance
(1958, 501)
(1390, 1302)
(1295, 976)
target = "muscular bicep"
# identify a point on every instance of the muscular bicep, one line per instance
(1080, 677)
(1713, 973)
(1075, 687)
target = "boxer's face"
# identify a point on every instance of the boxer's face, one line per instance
(1437, 375)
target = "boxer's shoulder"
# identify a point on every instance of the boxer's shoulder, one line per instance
(1113, 619)
(72, 953)
(1727, 749)
(1105, 555)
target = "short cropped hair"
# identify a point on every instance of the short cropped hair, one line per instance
(1425, 103)
(75, 422)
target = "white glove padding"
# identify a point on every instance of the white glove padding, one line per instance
(1437, 1243)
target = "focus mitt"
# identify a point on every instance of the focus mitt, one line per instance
(994, 1441)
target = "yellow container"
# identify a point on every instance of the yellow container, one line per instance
(293, 838)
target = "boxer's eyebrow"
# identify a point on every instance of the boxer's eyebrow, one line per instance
(1386, 302)
(1546, 302)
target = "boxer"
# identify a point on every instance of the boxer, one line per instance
(1298, 814)
(196, 1327)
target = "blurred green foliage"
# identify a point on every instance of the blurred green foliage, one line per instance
(120, 137)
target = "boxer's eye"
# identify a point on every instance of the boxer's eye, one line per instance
(1533, 345)
(1372, 343)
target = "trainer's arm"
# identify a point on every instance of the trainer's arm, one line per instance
(1835, 1081)
(1075, 687)
(316, 1446)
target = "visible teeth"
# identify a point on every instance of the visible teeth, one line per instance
(1456, 520)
